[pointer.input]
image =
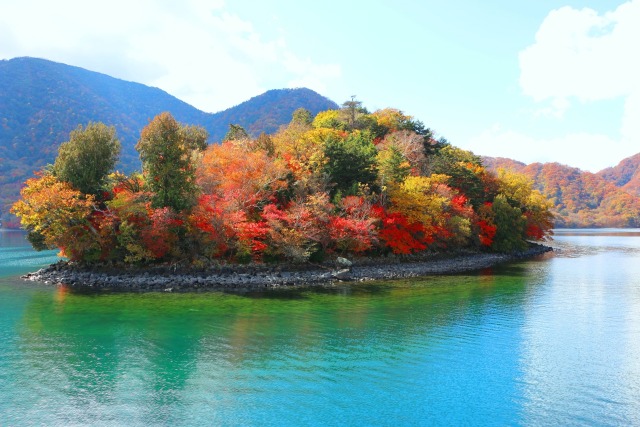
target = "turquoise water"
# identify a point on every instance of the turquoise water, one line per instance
(551, 341)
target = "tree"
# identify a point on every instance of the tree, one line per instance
(393, 166)
(88, 157)
(510, 223)
(235, 132)
(519, 191)
(264, 142)
(244, 179)
(409, 145)
(329, 119)
(53, 212)
(302, 116)
(168, 153)
(465, 172)
(350, 162)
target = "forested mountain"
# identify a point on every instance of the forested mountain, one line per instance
(625, 175)
(42, 101)
(584, 199)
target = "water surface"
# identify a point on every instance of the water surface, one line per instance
(550, 341)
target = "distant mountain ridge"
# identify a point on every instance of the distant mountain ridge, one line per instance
(625, 175)
(42, 101)
(609, 198)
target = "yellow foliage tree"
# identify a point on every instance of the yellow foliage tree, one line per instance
(52, 211)
(421, 199)
(519, 192)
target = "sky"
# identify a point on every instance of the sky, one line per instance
(532, 80)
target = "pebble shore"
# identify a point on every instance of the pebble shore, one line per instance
(243, 278)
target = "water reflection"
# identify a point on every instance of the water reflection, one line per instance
(552, 341)
(162, 351)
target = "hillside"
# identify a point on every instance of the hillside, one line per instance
(625, 175)
(582, 199)
(42, 101)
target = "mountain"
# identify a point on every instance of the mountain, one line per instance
(42, 101)
(267, 112)
(581, 199)
(625, 175)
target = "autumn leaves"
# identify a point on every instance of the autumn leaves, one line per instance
(348, 182)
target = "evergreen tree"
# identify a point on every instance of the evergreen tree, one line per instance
(235, 133)
(351, 162)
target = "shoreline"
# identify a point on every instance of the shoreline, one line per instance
(246, 278)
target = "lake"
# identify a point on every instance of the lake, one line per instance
(549, 341)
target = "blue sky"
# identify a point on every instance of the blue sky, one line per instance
(533, 80)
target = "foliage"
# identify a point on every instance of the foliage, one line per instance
(400, 234)
(351, 162)
(349, 182)
(88, 157)
(53, 212)
(302, 116)
(583, 199)
(510, 226)
(168, 153)
(43, 101)
(329, 119)
(236, 132)
(248, 179)
(354, 230)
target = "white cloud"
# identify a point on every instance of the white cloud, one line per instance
(578, 56)
(578, 53)
(193, 49)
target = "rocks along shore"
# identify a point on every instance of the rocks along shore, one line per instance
(239, 278)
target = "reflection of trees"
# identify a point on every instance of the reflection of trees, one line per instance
(159, 347)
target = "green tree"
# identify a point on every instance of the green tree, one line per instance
(510, 223)
(393, 166)
(302, 116)
(465, 172)
(352, 110)
(88, 157)
(168, 153)
(351, 162)
(235, 133)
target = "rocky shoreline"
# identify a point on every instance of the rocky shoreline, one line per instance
(242, 278)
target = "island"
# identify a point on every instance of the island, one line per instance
(345, 195)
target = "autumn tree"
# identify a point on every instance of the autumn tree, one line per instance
(168, 152)
(329, 119)
(53, 212)
(88, 157)
(519, 191)
(465, 172)
(241, 179)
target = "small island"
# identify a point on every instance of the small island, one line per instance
(344, 195)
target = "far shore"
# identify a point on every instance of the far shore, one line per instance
(254, 277)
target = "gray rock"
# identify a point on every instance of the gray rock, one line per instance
(343, 262)
(344, 274)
